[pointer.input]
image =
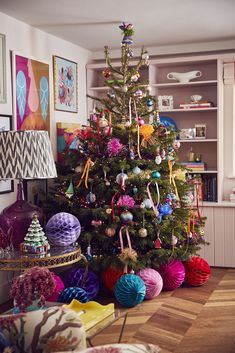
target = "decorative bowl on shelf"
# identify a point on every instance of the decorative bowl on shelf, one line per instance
(196, 98)
(184, 77)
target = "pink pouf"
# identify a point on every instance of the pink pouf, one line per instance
(173, 274)
(153, 282)
(58, 289)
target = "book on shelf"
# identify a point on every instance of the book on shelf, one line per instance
(192, 105)
(194, 166)
(208, 184)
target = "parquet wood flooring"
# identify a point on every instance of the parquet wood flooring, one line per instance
(187, 320)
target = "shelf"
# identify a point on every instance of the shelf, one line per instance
(103, 88)
(203, 172)
(198, 140)
(188, 110)
(187, 84)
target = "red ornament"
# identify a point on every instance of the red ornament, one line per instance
(110, 277)
(157, 243)
(110, 232)
(96, 223)
(107, 72)
(197, 271)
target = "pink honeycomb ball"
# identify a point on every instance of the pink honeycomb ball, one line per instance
(153, 282)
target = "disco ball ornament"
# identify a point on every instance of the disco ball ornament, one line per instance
(63, 229)
(126, 217)
(58, 289)
(71, 293)
(130, 290)
(173, 274)
(88, 281)
(197, 271)
(110, 277)
(153, 282)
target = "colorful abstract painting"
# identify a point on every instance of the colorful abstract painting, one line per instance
(65, 84)
(32, 94)
(66, 138)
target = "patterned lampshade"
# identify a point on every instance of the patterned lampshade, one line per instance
(26, 155)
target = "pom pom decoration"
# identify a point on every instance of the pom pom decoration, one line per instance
(91, 283)
(58, 289)
(197, 271)
(63, 229)
(126, 201)
(130, 290)
(153, 282)
(71, 293)
(114, 147)
(173, 274)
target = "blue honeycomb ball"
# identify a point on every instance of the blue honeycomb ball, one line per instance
(130, 290)
(63, 229)
(71, 293)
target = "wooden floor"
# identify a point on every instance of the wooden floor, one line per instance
(195, 320)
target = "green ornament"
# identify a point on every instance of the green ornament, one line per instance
(70, 191)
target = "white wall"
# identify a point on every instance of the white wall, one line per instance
(33, 43)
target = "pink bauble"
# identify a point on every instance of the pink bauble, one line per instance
(173, 274)
(153, 282)
(58, 289)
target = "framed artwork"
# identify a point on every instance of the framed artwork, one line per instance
(6, 125)
(3, 95)
(65, 85)
(186, 134)
(35, 191)
(31, 93)
(200, 131)
(165, 103)
(66, 138)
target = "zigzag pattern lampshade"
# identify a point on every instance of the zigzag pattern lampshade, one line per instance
(26, 155)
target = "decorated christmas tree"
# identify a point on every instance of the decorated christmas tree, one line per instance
(124, 182)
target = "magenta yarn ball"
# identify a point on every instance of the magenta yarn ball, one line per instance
(63, 229)
(173, 274)
(153, 282)
(58, 289)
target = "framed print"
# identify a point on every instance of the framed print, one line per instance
(200, 131)
(165, 103)
(186, 134)
(67, 138)
(35, 191)
(31, 93)
(3, 95)
(6, 125)
(65, 84)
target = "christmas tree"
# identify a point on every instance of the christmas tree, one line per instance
(124, 182)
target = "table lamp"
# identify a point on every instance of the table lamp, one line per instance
(23, 155)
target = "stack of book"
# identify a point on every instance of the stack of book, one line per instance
(199, 104)
(194, 166)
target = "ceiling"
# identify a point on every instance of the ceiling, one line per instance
(92, 24)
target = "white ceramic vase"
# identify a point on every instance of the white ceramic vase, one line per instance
(184, 77)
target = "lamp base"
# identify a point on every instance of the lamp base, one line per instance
(15, 220)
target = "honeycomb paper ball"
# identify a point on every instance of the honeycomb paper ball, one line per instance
(110, 277)
(58, 289)
(91, 283)
(130, 290)
(71, 293)
(173, 274)
(153, 282)
(63, 229)
(197, 271)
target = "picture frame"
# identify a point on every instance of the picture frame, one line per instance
(35, 191)
(6, 186)
(165, 103)
(200, 131)
(186, 134)
(65, 85)
(67, 139)
(31, 93)
(3, 93)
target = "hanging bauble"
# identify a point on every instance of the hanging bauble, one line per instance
(153, 282)
(136, 170)
(128, 124)
(79, 169)
(63, 229)
(176, 144)
(147, 203)
(135, 77)
(149, 102)
(90, 197)
(197, 271)
(58, 289)
(163, 154)
(149, 88)
(103, 122)
(110, 277)
(138, 93)
(110, 232)
(155, 175)
(141, 122)
(107, 131)
(135, 190)
(87, 280)
(107, 72)
(173, 274)
(71, 293)
(132, 154)
(158, 243)
(130, 290)
(158, 159)
(121, 180)
(124, 88)
(70, 191)
(143, 232)
(174, 240)
(127, 40)
(201, 232)
(168, 198)
(126, 217)
(145, 58)
(96, 223)
(165, 209)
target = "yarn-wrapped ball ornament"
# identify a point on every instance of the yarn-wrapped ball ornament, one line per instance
(58, 289)
(197, 271)
(173, 274)
(110, 276)
(153, 282)
(130, 290)
(63, 229)
(71, 293)
(86, 280)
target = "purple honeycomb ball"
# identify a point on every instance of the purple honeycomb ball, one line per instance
(63, 229)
